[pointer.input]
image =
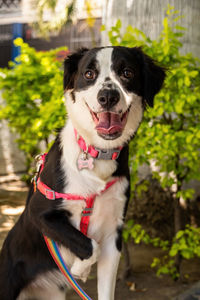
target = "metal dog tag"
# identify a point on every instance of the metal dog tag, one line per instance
(84, 162)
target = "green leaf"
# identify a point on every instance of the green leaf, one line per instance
(173, 252)
(118, 24)
(103, 27)
(187, 81)
(187, 254)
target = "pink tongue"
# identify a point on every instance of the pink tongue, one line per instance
(109, 123)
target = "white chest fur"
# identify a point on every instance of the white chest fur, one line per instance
(107, 212)
(108, 205)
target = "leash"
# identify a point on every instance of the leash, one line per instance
(55, 253)
(86, 213)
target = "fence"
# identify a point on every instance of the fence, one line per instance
(73, 36)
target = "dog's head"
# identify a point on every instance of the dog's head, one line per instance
(106, 91)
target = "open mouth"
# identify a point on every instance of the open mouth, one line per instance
(109, 125)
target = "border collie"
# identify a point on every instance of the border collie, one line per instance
(106, 91)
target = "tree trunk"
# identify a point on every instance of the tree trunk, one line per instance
(126, 262)
(177, 227)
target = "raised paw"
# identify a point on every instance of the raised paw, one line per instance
(81, 268)
(78, 272)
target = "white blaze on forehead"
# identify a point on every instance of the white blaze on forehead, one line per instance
(89, 95)
(104, 58)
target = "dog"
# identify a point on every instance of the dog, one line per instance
(106, 91)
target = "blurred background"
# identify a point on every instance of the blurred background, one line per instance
(162, 230)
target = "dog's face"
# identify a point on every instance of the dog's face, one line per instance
(106, 90)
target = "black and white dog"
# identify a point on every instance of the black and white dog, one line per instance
(106, 90)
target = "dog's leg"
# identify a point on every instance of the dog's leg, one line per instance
(81, 268)
(56, 225)
(107, 269)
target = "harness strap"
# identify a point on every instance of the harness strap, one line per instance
(53, 195)
(86, 213)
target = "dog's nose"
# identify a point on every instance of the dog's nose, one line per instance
(107, 98)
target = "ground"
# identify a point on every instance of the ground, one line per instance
(142, 284)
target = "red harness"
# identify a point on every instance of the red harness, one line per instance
(52, 195)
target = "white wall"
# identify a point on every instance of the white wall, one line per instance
(11, 158)
(147, 15)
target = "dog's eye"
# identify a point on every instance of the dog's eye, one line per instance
(127, 73)
(90, 74)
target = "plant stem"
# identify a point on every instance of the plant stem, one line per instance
(126, 262)
(177, 227)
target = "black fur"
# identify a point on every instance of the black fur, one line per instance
(147, 77)
(153, 76)
(123, 171)
(71, 67)
(24, 254)
(128, 58)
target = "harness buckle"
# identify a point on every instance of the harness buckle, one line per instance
(39, 161)
(50, 194)
(87, 211)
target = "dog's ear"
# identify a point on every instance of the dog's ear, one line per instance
(71, 67)
(154, 76)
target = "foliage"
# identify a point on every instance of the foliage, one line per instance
(53, 15)
(33, 93)
(90, 20)
(186, 243)
(90, 17)
(139, 235)
(171, 130)
(57, 19)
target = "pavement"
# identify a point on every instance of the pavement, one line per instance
(12, 200)
(191, 294)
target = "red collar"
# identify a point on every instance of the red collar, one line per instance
(107, 154)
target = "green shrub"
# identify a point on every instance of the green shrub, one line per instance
(33, 93)
(171, 130)
(185, 243)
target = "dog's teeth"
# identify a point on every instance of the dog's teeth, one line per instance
(96, 115)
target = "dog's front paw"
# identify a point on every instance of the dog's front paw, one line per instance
(79, 271)
(81, 268)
